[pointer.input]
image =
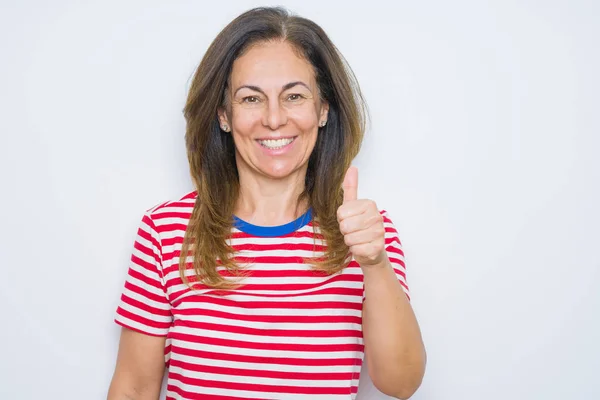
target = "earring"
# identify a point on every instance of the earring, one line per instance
(322, 124)
(225, 128)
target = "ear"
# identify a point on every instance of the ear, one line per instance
(223, 119)
(324, 111)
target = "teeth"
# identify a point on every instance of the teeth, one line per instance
(275, 144)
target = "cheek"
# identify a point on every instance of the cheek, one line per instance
(245, 121)
(305, 117)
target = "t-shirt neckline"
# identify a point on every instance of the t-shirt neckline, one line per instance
(272, 231)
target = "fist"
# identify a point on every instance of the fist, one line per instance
(361, 224)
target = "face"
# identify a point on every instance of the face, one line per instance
(275, 111)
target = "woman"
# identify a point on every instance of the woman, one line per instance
(289, 279)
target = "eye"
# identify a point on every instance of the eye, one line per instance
(294, 97)
(250, 99)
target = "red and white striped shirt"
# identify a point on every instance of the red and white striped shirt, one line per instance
(288, 332)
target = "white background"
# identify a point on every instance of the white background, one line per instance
(483, 147)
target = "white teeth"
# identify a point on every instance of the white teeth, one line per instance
(275, 143)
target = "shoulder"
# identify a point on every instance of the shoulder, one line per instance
(184, 203)
(385, 214)
(387, 217)
(171, 214)
(389, 225)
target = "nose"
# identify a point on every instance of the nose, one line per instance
(275, 115)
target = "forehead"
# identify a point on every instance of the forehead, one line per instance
(269, 64)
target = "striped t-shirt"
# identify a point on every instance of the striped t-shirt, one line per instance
(288, 332)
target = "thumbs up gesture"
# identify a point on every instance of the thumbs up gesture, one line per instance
(361, 224)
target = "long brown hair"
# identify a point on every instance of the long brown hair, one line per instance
(211, 152)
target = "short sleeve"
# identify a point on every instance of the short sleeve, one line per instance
(144, 305)
(394, 250)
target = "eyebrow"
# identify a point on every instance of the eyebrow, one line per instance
(283, 88)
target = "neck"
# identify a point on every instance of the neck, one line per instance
(270, 202)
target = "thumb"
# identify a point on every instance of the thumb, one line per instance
(350, 184)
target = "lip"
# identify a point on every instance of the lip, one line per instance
(280, 151)
(276, 137)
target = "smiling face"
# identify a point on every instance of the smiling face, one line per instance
(275, 111)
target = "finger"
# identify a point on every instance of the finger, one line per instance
(360, 222)
(357, 207)
(350, 184)
(364, 237)
(368, 253)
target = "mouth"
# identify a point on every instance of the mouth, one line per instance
(275, 144)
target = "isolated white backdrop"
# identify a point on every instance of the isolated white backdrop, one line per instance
(483, 147)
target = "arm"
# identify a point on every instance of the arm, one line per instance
(394, 349)
(140, 367)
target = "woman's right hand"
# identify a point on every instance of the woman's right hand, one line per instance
(140, 367)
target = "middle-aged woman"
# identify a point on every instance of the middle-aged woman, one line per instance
(271, 280)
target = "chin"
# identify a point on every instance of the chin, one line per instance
(279, 171)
